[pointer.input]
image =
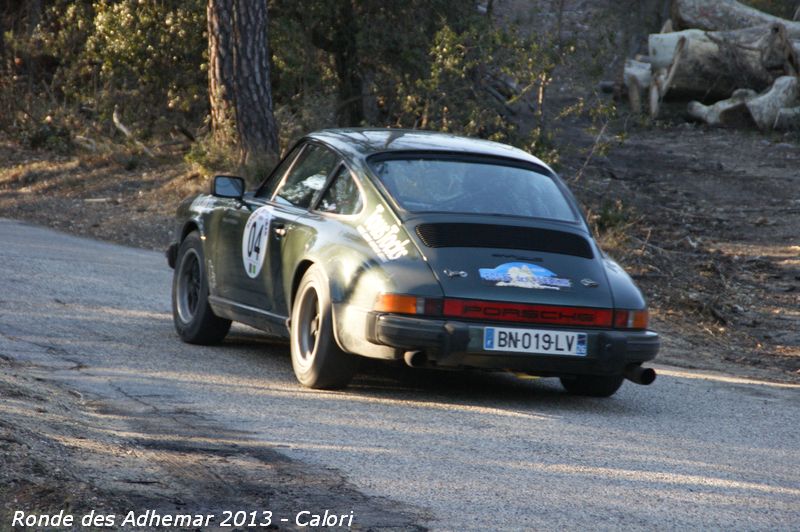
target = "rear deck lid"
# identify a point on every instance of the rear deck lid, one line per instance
(514, 263)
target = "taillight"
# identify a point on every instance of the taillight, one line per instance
(631, 319)
(525, 313)
(500, 311)
(404, 304)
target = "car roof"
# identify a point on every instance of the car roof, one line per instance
(361, 143)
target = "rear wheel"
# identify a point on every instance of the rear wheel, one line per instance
(592, 385)
(194, 320)
(317, 360)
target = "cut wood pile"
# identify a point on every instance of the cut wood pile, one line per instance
(735, 65)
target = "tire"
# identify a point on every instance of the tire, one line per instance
(194, 320)
(317, 360)
(592, 385)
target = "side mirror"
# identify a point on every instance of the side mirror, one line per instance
(228, 186)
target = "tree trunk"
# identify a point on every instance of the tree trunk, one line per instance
(765, 108)
(258, 131)
(723, 15)
(773, 109)
(220, 70)
(637, 77)
(731, 112)
(239, 82)
(788, 118)
(715, 64)
(351, 109)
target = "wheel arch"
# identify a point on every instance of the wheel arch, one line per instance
(299, 272)
(188, 227)
(334, 291)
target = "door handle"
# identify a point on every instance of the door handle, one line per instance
(279, 229)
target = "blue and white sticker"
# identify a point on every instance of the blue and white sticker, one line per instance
(254, 241)
(523, 275)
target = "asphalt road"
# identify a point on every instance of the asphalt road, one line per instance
(455, 451)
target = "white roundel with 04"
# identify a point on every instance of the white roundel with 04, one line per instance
(254, 241)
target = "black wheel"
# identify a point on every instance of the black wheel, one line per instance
(317, 360)
(194, 320)
(592, 385)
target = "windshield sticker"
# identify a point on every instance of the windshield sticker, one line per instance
(523, 275)
(382, 237)
(254, 241)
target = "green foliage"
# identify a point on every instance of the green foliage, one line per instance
(210, 157)
(479, 81)
(612, 223)
(144, 56)
(430, 64)
(612, 215)
(50, 136)
(321, 47)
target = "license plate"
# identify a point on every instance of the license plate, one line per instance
(534, 341)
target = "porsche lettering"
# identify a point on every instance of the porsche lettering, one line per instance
(491, 312)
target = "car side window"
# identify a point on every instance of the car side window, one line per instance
(267, 189)
(343, 195)
(307, 176)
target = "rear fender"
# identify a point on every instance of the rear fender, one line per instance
(624, 291)
(355, 280)
(191, 216)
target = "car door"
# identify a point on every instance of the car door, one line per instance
(253, 233)
(233, 282)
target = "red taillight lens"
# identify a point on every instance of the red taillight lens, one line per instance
(522, 313)
(631, 319)
(516, 312)
(433, 307)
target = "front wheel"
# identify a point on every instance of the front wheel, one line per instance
(592, 385)
(317, 360)
(194, 320)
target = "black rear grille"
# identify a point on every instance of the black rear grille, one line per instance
(455, 235)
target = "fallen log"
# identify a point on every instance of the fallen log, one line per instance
(788, 119)
(724, 15)
(715, 64)
(776, 108)
(637, 77)
(766, 107)
(664, 78)
(729, 113)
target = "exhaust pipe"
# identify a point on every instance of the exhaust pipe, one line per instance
(415, 359)
(640, 375)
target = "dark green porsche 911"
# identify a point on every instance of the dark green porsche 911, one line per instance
(437, 250)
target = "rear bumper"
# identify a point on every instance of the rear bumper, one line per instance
(460, 344)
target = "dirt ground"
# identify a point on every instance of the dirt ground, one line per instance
(710, 224)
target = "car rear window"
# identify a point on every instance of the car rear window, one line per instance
(444, 185)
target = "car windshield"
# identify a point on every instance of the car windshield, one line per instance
(446, 185)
